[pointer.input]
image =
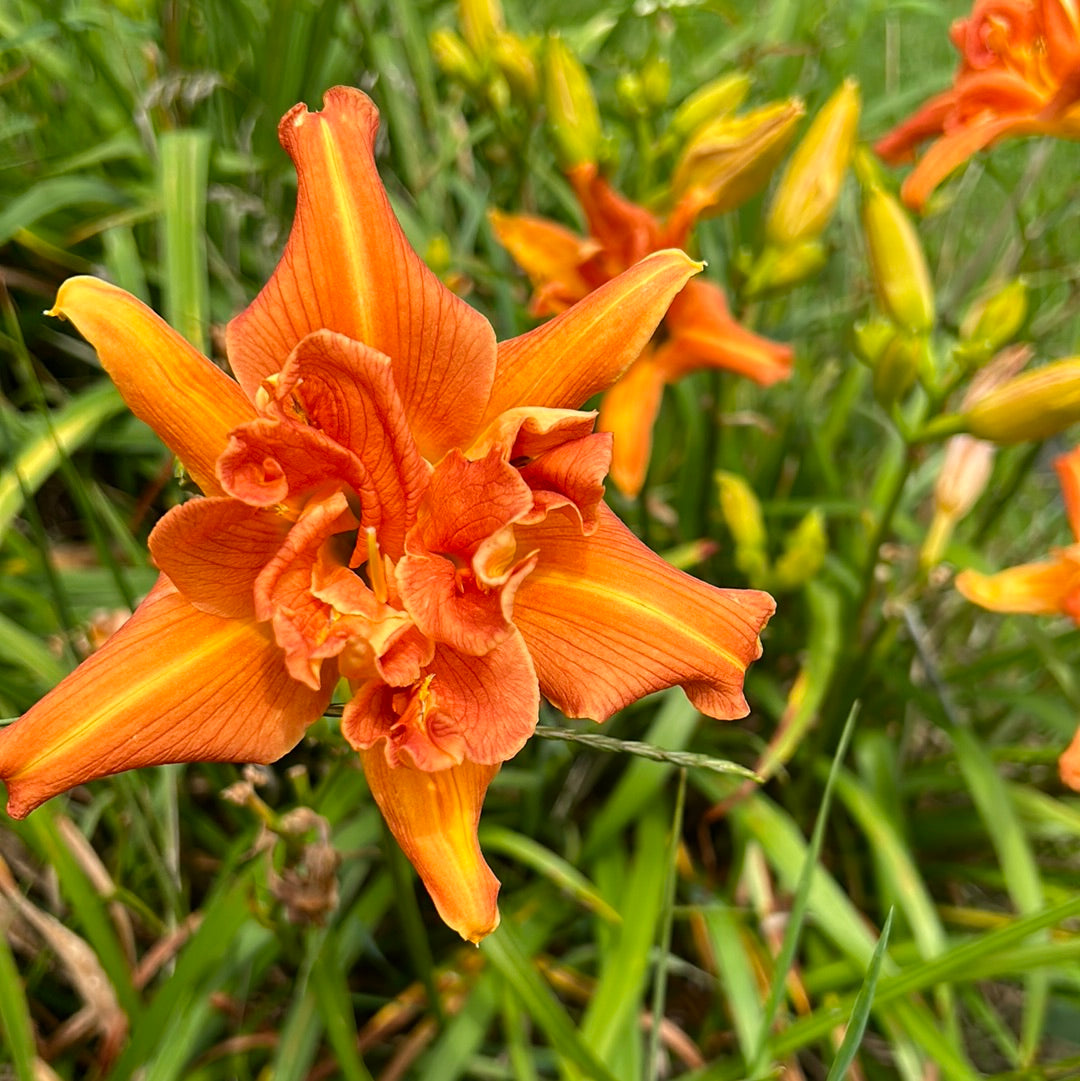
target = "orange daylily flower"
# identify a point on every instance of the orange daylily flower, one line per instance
(394, 499)
(1049, 587)
(699, 330)
(1019, 74)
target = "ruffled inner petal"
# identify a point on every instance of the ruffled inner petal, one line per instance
(480, 709)
(213, 550)
(346, 390)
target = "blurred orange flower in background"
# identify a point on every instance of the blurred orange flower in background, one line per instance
(1048, 587)
(699, 331)
(392, 498)
(1019, 74)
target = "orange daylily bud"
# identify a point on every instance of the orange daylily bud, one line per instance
(572, 111)
(730, 159)
(481, 23)
(454, 58)
(803, 555)
(808, 190)
(897, 262)
(993, 320)
(1035, 405)
(715, 99)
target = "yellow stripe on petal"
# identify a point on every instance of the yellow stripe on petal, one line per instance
(172, 685)
(583, 351)
(607, 621)
(166, 381)
(433, 817)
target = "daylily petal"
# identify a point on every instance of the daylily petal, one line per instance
(172, 685)
(346, 390)
(584, 350)
(551, 255)
(214, 549)
(899, 144)
(167, 383)
(458, 577)
(1043, 588)
(480, 709)
(306, 627)
(268, 462)
(1069, 764)
(628, 410)
(607, 622)
(347, 267)
(705, 335)
(572, 476)
(1068, 471)
(628, 232)
(433, 817)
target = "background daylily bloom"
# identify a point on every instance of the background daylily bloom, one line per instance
(699, 330)
(1019, 74)
(394, 499)
(1049, 587)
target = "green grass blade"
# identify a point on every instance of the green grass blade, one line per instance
(554, 868)
(1018, 864)
(42, 452)
(856, 1025)
(184, 163)
(15, 1024)
(505, 951)
(800, 902)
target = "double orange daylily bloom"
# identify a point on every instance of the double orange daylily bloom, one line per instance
(699, 330)
(1049, 587)
(391, 498)
(1019, 74)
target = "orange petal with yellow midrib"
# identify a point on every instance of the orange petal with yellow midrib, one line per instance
(347, 267)
(172, 685)
(167, 383)
(607, 621)
(433, 817)
(583, 351)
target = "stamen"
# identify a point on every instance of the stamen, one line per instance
(376, 572)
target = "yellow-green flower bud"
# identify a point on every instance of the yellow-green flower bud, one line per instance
(454, 57)
(742, 514)
(731, 159)
(993, 320)
(481, 22)
(898, 366)
(871, 338)
(713, 100)
(1035, 405)
(571, 107)
(803, 555)
(631, 94)
(897, 262)
(810, 186)
(781, 268)
(515, 58)
(656, 81)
